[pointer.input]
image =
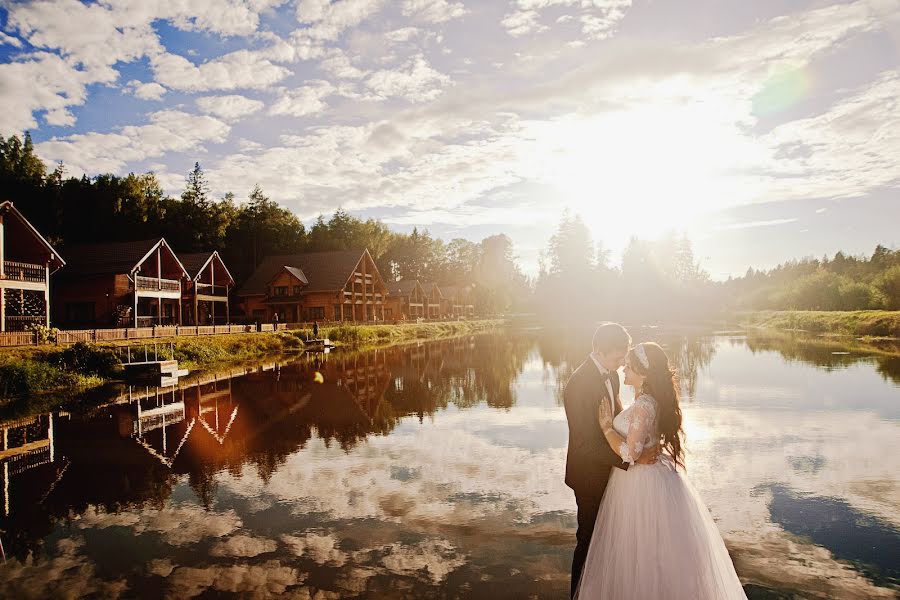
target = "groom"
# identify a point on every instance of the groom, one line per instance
(589, 462)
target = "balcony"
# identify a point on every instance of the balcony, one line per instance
(152, 284)
(19, 271)
(207, 289)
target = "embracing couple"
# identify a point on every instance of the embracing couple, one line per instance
(643, 531)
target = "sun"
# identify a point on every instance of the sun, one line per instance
(645, 170)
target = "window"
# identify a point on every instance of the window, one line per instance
(296, 290)
(281, 290)
(259, 313)
(337, 312)
(388, 313)
(315, 313)
(80, 312)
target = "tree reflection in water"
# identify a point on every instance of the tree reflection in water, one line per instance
(563, 351)
(830, 352)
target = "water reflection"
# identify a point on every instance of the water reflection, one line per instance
(435, 470)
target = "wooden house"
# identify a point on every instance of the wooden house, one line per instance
(26, 262)
(407, 299)
(316, 286)
(433, 298)
(119, 284)
(205, 296)
(457, 301)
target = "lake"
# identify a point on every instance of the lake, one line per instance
(436, 471)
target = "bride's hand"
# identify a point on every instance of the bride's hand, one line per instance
(648, 456)
(605, 418)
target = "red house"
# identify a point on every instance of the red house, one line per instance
(118, 284)
(26, 262)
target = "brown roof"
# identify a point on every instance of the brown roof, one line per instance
(194, 261)
(403, 287)
(325, 271)
(429, 288)
(7, 207)
(107, 258)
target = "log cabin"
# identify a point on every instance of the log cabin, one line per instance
(120, 284)
(26, 262)
(407, 299)
(205, 296)
(343, 285)
(457, 300)
(433, 298)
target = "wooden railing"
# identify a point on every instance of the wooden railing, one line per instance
(208, 289)
(19, 271)
(20, 323)
(152, 284)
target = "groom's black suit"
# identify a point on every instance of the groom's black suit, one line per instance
(590, 459)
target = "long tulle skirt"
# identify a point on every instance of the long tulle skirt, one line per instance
(654, 538)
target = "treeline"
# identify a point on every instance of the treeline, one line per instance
(656, 281)
(109, 208)
(839, 283)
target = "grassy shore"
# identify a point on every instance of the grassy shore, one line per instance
(867, 323)
(30, 370)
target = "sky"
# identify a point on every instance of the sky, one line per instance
(764, 131)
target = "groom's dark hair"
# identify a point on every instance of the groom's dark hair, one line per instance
(610, 336)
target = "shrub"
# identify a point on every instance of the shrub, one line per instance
(88, 359)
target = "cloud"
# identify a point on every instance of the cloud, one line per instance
(244, 546)
(522, 22)
(433, 11)
(8, 40)
(229, 108)
(67, 573)
(239, 69)
(302, 101)
(265, 580)
(320, 548)
(414, 81)
(167, 131)
(145, 91)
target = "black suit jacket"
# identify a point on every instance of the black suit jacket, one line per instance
(589, 457)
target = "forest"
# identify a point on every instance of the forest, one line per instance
(656, 280)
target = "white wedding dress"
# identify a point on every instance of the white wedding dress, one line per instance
(654, 537)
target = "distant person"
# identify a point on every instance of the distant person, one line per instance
(654, 537)
(275, 319)
(315, 330)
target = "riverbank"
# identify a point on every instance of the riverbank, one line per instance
(30, 370)
(860, 323)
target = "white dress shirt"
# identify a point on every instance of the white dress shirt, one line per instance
(612, 398)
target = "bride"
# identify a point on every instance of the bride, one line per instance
(654, 537)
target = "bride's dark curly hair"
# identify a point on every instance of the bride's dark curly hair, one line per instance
(660, 381)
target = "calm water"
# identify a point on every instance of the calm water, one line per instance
(436, 471)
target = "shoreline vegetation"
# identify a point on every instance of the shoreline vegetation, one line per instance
(857, 323)
(79, 368)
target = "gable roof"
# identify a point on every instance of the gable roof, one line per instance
(112, 257)
(195, 262)
(404, 287)
(429, 288)
(325, 271)
(7, 207)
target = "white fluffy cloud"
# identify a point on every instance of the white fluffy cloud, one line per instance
(433, 11)
(239, 69)
(167, 131)
(146, 91)
(229, 108)
(306, 100)
(415, 81)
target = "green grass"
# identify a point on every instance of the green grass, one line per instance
(870, 323)
(34, 370)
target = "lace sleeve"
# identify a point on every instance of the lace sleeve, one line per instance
(641, 428)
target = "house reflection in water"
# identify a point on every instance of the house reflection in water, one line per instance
(28, 446)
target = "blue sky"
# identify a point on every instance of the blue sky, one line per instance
(764, 130)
